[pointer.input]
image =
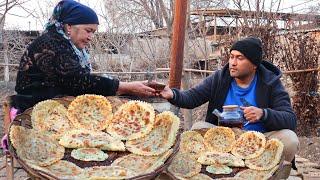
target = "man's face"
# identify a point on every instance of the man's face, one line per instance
(239, 66)
(82, 34)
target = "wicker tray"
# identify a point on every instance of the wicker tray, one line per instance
(235, 170)
(24, 119)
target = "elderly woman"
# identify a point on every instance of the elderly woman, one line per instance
(57, 63)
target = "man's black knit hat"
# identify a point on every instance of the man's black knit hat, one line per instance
(251, 48)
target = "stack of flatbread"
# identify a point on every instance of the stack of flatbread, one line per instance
(220, 154)
(93, 128)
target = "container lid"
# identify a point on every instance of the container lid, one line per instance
(230, 107)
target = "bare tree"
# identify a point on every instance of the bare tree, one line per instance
(314, 9)
(44, 10)
(7, 5)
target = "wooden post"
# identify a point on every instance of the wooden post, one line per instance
(187, 113)
(6, 115)
(186, 78)
(177, 47)
(6, 123)
(215, 29)
(9, 167)
(176, 61)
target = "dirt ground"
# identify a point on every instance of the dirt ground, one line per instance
(309, 146)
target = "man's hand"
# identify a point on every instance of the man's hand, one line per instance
(166, 93)
(137, 88)
(252, 114)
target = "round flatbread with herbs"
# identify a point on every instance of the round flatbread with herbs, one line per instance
(270, 157)
(249, 145)
(50, 116)
(18, 135)
(218, 169)
(108, 172)
(192, 142)
(219, 139)
(89, 154)
(37, 148)
(92, 112)
(255, 174)
(62, 170)
(132, 120)
(184, 166)
(142, 164)
(209, 158)
(200, 177)
(80, 138)
(161, 138)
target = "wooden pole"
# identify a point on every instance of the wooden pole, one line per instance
(187, 113)
(176, 61)
(186, 77)
(215, 29)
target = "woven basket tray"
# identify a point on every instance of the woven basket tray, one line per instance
(24, 120)
(235, 170)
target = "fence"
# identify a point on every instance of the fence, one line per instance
(157, 71)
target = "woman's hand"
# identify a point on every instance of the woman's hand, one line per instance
(137, 88)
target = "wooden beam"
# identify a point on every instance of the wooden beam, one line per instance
(177, 47)
(241, 13)
(215, 29)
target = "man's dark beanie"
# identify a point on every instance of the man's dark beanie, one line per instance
(251, 48)
(73, 13)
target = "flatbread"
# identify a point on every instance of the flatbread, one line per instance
(89, 154)
(270, 157)
(132, 120)
(108, 172)
(219, 139)
(231, 178)
(62, 170)
(209, 158)
(18, 135)
(92, 112)
(218, 169)
(249, 145)
(160, 139)
(192, 142)
(251, 174)
(38, 148)
(184, 166)
(142, 164)
(236, 162)
(79, 138)
(50, 116)
(106, 142)
(200, 177)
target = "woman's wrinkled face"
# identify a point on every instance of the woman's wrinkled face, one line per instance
(81, 34)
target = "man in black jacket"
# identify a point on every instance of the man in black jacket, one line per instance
(246, 76)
